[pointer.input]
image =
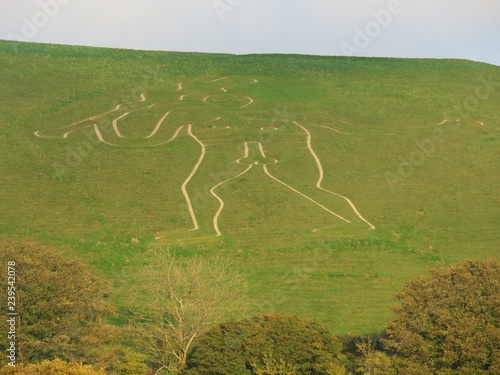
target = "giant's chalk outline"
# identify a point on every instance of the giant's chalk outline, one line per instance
(203, 152)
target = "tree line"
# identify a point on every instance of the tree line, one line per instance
(188, 320)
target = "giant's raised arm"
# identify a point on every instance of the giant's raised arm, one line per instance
(91, 121)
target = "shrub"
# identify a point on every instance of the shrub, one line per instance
(54, 367)
(374, 362)
(267, 344)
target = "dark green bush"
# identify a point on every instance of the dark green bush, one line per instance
(265, 345)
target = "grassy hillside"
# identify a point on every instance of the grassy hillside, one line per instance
(292, 159)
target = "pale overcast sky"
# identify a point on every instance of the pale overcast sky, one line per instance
(467, 29)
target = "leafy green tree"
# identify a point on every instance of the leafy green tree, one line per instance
(449, 323)
(265, 345)
(130, 363)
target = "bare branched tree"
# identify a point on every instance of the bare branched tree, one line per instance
(183, 297)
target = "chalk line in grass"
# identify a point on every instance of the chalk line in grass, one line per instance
(246, 153)
(158, 125)
(193, 172)
(246, 105)
(321, 175)
(448, 120)
(65, 135)
(99, 135)
(37, 133)
(335, 130)
(221, 202)
(115, 121)
(171, 139)
(443, 122)
(303, 195)
(218, 79)
(347, 123)
(115, 124)
(330, 226)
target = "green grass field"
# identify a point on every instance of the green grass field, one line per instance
(380, 132)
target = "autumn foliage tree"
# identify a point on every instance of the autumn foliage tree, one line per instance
(62, 312)
(54, 367)
(58, 300)
(449, 323)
